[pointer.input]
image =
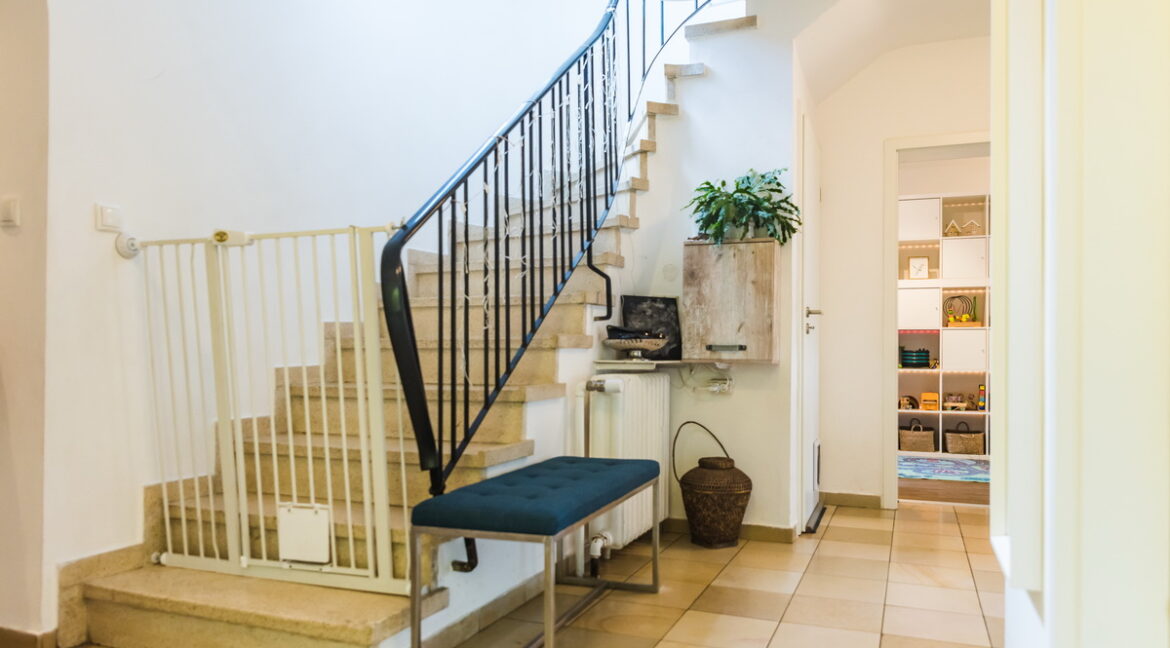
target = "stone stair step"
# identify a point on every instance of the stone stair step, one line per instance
(537, 366)
(425, 277)
(504, 422)
(720, 26)
(170, 606)
(344, 473)
(207, 516)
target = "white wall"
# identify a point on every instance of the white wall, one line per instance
(924, 89)
(715, 138)
(264, 116)
(961, 176)
(24, 71)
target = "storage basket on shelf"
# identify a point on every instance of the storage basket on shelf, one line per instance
(715, 496)
(964, 440)
(916, 438)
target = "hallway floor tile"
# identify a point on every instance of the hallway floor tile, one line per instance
(921, 577)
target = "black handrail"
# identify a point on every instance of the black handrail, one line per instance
(581, 176)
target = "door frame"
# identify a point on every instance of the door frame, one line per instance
(889, 417)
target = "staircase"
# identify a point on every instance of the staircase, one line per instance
(480, 419)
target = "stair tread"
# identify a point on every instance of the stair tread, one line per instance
(614, 220)
(509, 393)
(720, 26)
(309, 610)
(541, 341)
(427, 262)
(588, 297)
(477, 454)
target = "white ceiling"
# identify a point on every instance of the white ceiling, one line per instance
(852, 33)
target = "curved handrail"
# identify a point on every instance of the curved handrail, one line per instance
(566, 254)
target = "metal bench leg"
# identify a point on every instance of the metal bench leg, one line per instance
(550, 592)
(415, 591)
(654, 530)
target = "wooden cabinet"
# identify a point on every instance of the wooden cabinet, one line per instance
(730, 301)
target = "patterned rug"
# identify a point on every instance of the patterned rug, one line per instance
(966, 470)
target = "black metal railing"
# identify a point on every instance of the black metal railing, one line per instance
(496, 245)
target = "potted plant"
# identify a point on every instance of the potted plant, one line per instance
(757, 205)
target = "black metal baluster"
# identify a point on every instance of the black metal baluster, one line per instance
(565, 203)
(605, 114)
(507, 258)
(643, 72)
(454, 319)
(496, 243)
(540, 270)
(523, 232)
(581, 183)
(466, 313)
(629, 80)
(530, 314)
(661, 22)
(439, 303)
(555, 269)
(486, 288)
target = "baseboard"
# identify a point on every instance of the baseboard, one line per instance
(10, 638)
(493, 611)
(72, 624)
(860, 500)
(758, 532)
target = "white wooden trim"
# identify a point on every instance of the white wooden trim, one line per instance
(889, 415)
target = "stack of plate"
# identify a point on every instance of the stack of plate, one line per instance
(918, 359)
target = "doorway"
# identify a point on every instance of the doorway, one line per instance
(938, 212)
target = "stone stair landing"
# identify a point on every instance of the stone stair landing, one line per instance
(169, 606)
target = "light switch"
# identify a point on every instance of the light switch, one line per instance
(107, 218)
(10, 212)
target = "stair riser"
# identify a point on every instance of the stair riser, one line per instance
(504, 422)
(124, 626)
(418, 481)
(536, 367)
(608, 240)
(583, 280)
(271, 540)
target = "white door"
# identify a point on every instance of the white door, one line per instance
(810, 301)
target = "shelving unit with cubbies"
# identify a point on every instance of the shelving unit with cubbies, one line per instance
(948, 234)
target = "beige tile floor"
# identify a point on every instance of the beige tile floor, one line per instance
(922, 577)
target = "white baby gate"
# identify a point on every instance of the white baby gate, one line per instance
(267, 379)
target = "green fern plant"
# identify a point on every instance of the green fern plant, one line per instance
(757, 201)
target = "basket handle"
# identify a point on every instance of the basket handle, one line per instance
(674, 445)
(915, 421)
(964, 424)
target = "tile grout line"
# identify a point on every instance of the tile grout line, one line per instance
(803, 572)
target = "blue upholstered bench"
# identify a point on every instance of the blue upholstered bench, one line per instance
(542, 503)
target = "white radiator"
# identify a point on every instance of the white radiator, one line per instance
(631, 420)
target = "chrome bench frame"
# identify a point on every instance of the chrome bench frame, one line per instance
(553, 547)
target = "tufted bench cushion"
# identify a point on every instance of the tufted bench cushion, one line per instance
(541, 499)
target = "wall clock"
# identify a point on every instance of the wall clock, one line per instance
(920, 267)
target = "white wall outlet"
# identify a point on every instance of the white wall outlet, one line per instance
(10, 211)
(107, 218)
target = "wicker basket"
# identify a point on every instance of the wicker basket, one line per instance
(962, 440)
(715, 496)
(916, 438)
